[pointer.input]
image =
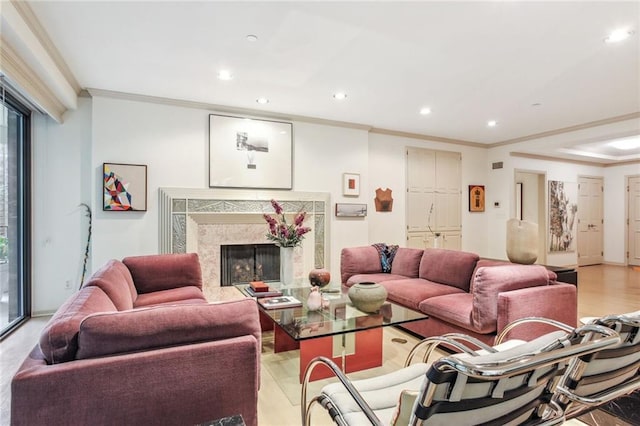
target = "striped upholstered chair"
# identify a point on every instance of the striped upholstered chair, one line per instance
(596, 379)
(506, 385)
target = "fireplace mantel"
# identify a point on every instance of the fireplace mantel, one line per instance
(180, 206)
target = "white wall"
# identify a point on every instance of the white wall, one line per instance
(504, 182)
(61, 181)
(173, 142)
(387, 169)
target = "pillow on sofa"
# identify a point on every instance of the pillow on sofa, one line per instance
(162, 326)
(115, 279)
(359, 260)
(164, 271)
(407, 262)
(489, 281)
(451, 267)
(59, 339)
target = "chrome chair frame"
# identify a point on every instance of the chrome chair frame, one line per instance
(520, 365)
(574, 404)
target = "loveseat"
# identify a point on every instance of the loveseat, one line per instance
(462, 293)
(139, 344)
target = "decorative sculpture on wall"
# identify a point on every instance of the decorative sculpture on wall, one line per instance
(383, 200)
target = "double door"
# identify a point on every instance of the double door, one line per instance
(433, 199)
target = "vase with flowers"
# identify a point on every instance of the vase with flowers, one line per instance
(287, 236)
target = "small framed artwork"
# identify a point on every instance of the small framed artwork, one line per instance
(476, 198)
(250, 153)
(124, 187)
(351, 184)
(351, 210)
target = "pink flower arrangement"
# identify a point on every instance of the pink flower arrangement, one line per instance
(285, 234)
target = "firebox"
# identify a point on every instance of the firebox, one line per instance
(242, 263)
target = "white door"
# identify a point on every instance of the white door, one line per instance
(590, 220)
(633, 219)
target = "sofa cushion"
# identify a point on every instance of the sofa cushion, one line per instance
(375, 278)
(496, 262)
(180, 295)
(115, 279)
(59, 339)
(407, 262)
(359, 260)
(490, 281)
(449, 267)
(452, 308)
(164, 271)
(148, 328)
(410, 292)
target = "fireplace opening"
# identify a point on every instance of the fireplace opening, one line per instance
(243, 263)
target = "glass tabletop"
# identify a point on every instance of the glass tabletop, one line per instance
(338, 316)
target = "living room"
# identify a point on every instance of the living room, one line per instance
(170, 134)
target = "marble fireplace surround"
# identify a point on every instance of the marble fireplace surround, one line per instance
(200, 220)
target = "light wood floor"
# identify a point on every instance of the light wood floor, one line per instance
(602, 290)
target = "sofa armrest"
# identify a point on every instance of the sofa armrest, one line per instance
(162, 326)
(188, 384)
(164, 271)
(556, 301)
(359, 260)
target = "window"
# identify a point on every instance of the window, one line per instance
(14, 212)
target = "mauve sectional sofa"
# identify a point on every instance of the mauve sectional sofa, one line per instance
(139, 344)
(462, 293)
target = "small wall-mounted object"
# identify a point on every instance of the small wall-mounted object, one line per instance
(476, 198)
(351, 210)
(497, 165)
(496, 204)
(124, 187)
(351, 184)
(383, 200)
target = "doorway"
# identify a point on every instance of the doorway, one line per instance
(633, 220)
(590, 220)
(530, 204)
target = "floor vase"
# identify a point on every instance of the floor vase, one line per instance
(286, 266)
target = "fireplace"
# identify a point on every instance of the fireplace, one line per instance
(242, 263)
(199, 220)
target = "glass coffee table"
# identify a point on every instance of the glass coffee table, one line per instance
(339, 331)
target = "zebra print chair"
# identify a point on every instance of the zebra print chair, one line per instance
(595, 379)
(490, 385)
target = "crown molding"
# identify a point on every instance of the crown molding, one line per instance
(222, 108)
(28, 83)
(572, 161)
(39, 32)
(430, 138)
(591, 124)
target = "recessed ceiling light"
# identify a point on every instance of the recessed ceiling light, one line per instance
(492, 123)
(262, 101)
(252, 38)
(618, 35)
(425, 111)
(225, 75)
(626, 143)
(340, 96)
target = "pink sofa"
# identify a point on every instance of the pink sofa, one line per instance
(139, 344)
(462, 293)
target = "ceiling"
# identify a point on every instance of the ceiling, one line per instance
(537, 68)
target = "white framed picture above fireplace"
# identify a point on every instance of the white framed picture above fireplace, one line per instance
(249, 152)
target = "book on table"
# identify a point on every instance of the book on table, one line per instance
(279, 302)
(271, 292)
(259, 286)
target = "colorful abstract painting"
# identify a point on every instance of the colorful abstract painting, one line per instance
(563, 211)
(125, 187)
